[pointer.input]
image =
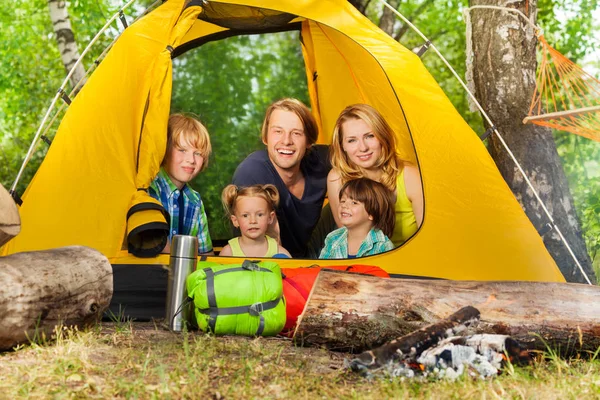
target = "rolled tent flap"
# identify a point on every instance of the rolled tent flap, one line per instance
(147, 226)
(147, 220)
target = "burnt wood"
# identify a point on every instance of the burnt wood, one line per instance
(412, 345)
(354, 313)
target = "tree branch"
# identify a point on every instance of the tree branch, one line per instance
(414, 15)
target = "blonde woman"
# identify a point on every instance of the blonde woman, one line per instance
(364, 146)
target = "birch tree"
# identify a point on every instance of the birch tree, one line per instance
(65, 38)
(504, 71)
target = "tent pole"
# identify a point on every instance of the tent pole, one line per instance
(58, 94)
(489, 121)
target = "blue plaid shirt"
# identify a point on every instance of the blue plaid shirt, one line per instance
(194, 217)
(336, 244)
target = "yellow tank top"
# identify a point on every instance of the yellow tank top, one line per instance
(406, 224)
(236, 249)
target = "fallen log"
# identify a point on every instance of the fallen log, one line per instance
(70, 286)
(10, 222)
(354, 313)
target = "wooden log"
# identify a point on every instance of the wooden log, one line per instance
(71, 286)
(10, 222)
(352, 312)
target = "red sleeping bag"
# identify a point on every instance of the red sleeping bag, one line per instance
(298, 282)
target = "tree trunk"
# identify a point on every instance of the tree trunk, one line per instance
(388, 18)
(504, 66)
(67, 46)
(10, 221)
(71, 286)
(353, 312)
(360, 5)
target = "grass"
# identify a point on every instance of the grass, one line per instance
(144, 361)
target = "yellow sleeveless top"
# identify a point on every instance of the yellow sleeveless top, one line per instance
(406, 224)
(236, 249)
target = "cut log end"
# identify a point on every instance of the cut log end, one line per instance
(10, 221)
(69, 286)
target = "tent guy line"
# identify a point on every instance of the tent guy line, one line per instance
(61, 91)
(491, 124)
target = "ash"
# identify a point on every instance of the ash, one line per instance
(479, 356)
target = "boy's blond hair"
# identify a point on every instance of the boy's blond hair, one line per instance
(389, 161)
(185, 128)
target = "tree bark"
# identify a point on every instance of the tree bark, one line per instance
(388, 18)
(353, 312)
(10, 221)
(360, 5)
(40, 290)
(504, 65)
(67, 46)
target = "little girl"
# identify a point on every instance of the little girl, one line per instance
(366, 212)
(252, 210)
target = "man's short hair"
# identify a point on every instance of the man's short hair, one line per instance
(297, 107)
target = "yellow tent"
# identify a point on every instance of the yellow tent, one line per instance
(112, 139)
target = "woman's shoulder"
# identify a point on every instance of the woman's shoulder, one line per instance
(334, 175)
(410, 168)
(412, 176)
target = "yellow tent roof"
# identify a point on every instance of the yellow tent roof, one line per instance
(112, 140)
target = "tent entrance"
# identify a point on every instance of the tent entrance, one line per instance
(234, 81)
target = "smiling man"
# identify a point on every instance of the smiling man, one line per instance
(296, 167)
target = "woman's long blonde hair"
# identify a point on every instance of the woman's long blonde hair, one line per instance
(389, 161)
(231, 193)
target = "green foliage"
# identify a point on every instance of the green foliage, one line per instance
(229, 84)
(569, 27)
(31, 73)
(581, 162)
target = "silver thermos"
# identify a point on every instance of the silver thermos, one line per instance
(184, 254)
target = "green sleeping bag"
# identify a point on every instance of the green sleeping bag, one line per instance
(238, 299)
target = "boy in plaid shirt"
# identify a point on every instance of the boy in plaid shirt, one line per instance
(188, 148)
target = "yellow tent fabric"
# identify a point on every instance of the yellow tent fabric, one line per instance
(473, 226)
(110, 142)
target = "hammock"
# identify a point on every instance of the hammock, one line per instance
(566, 97)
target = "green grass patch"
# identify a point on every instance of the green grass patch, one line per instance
(145, 361)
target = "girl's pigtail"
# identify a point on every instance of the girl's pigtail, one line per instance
(273, 195)
(228, 197)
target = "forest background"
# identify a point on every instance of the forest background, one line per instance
(229, 84)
